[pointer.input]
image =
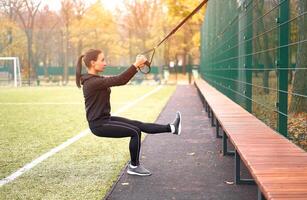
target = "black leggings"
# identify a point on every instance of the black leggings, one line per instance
(118, 127)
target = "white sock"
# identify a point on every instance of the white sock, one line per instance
(132, 166)
(172, 128)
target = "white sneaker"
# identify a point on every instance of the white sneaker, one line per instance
(177, 123)
(138, 171)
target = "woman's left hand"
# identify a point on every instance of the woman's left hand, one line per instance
(140, 61)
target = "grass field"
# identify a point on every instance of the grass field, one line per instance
(35, 120)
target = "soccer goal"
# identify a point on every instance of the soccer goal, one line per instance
(10, 71)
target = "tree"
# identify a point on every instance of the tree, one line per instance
(7, 8)
(96, 29)
(264, 42)
(299, 103)
(13, 40)
(67, 14)
(47, 22)
(140, 25)
(26, 11)
(80, 11)
(187, 40)
(22, 12)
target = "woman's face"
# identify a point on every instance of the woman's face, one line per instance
(100, 64)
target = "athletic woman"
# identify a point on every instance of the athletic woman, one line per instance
(96, 91)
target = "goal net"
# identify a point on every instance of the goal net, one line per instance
(10, 71)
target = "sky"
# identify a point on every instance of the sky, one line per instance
(56, 4)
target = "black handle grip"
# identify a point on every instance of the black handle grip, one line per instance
(147, 63)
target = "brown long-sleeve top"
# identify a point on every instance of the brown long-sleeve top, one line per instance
(96, 92)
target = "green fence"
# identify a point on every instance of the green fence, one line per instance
(255, 52)
(109, 70)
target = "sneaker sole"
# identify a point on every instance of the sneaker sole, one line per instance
(137, 174)
(179, 128)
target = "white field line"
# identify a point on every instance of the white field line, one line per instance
(47, 103)
(68, 142)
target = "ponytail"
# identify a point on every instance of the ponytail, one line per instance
(90, 55)
(78, 71)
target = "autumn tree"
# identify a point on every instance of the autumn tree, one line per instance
(187, 40)
(67, 15)
(96, 29)
(80, 11)
(299, 100)
(7, 10)
(26, 11)
(265, 42)
(139, 25)
(47, 25)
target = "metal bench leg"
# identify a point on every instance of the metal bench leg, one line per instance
(209, 112)
(238, 179)
(202, 99)
(206, 105)
(212, 119)
(225, 149)
(217, 129)
(260, 195)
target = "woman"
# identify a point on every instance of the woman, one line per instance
(96, 91)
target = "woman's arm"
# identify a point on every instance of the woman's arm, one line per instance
(122, 79)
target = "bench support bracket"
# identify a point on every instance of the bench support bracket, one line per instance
(206, 106)
(217, 129)
(209, 111)
(225, 148)
(260, 195)
(238, 179)
(212, 119)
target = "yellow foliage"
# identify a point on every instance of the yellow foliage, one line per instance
(18, 38)
(134, 28)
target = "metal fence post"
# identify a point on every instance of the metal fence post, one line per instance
(249, 57)
(282, 66)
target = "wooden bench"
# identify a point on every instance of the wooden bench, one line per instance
(277, 166)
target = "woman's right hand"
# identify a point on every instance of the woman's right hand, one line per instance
(140, 61)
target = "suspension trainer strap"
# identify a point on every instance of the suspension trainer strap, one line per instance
(179, 25)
